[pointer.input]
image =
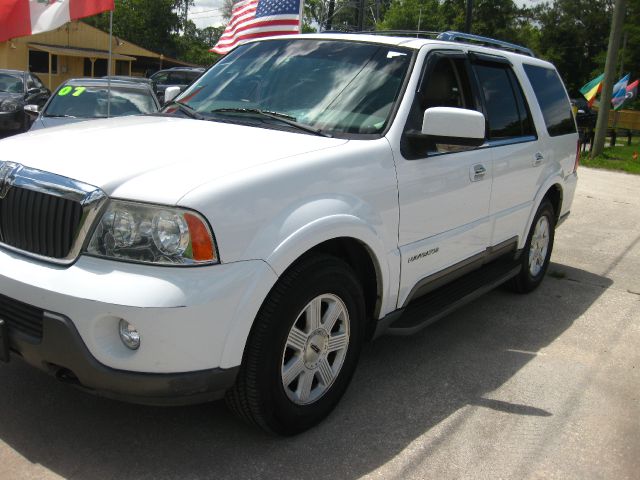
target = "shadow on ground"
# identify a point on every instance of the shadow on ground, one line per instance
(404, 386)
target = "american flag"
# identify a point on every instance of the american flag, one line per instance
(259, 18)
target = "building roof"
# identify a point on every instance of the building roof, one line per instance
(78, 52)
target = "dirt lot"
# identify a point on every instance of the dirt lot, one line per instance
(539, 386)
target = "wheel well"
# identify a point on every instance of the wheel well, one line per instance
(360, 259)
(554, 195)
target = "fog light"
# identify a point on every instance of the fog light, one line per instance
(129, 335)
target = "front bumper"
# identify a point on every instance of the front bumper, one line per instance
(11, 121)
(193, 323)
(62, 353)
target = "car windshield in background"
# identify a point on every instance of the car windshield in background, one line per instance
(332, 86)
(11, 83)
(91, 102)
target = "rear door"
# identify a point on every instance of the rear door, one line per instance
(518, 159)
(558, 127)
(444, 190)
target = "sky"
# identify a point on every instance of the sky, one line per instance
(206, 13)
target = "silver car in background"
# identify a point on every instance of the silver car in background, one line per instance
(81, 99)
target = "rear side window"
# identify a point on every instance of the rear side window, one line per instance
(553, 100)
(191, 76)
(506, 106)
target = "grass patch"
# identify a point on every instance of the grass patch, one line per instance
(616, 158)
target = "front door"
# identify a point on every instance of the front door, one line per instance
(444, 190)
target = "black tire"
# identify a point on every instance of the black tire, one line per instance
(259, 396)
(525, 281)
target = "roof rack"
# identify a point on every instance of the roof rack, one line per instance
(450, 36)
(402, 33)
(486, 41)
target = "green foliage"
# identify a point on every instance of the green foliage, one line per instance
(616, 158)
(413, 15)
(160, 26)
(574, 35)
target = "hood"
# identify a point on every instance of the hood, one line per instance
(154, 158)
(47, 122)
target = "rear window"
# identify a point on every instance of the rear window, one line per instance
(91, 102)
(552, 99)
(506, 107)
(11, 83)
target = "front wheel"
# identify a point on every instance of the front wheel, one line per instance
(303, 347)
(537, 251)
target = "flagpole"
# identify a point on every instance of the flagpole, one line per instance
(301, 15)
(109, 64)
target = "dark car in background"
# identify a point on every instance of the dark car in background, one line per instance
(175, 77)
(81, 99)
(17, 89)
(585, 116)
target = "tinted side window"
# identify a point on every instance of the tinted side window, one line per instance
(160, 78)
(191, 76)
(446, 84)
(37, 81)
(506, 109)
(553, 100)
(177, 78)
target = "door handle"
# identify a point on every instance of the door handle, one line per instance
(537, 159)
(479, 172)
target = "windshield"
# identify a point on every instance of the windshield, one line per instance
(333, 86)
(91, 102)
(11, 83)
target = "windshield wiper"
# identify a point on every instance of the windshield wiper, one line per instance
(186, 109)
(59, 116)
(281, 117)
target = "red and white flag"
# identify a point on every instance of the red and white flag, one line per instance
(19, 18)
(259, 18)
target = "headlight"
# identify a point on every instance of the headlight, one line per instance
(153, 234)
(9, 106)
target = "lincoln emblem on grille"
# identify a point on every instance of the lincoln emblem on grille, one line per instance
(7, 169)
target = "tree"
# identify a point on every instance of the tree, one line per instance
(148, 23)
(574, 36)
(413, 15)
(161, 26)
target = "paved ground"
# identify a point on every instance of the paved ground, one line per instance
(538, 386)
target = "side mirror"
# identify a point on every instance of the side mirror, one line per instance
(32, 110)
(170, 93)
(454, 126)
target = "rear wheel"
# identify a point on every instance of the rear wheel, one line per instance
(537, 251)
(303, 348)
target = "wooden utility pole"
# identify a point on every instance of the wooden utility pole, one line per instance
(609, 76)
(468, 17)
(362, 6)
(332, 7)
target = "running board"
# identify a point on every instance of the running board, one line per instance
(423, 311)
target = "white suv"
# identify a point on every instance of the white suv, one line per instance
(305, 195)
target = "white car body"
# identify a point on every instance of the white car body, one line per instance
(270, 196)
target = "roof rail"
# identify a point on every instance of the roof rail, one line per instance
(449, 36)
(402, 33)
(486, 41)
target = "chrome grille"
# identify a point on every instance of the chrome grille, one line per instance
(39, 223)
(44, 215)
